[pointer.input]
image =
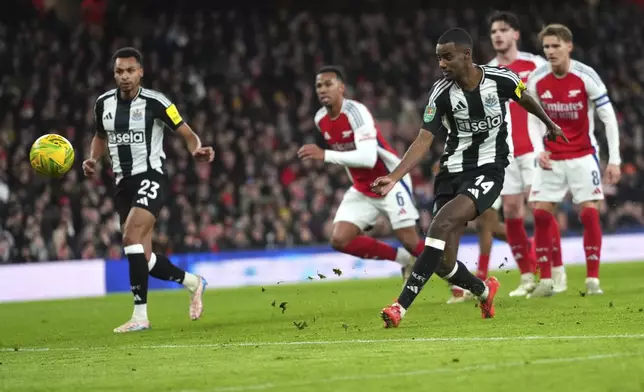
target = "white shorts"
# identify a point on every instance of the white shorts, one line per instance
(363, 210)
(582, 176)
(519, 174)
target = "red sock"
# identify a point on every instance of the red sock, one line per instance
(592, 240)
(556, 243)
(519, 244)
(542, 222)
(484, 264)
(533, 255)
(420, 247)
(370, 248)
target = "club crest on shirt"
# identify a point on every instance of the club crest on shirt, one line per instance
(491, 100)
(137, 115)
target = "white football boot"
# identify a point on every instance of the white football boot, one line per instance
(545, 288)
(196, 299)
(526, 286)
(592, 287)
(133, 326)
(406, 261)
(459, 295)
(560, 279)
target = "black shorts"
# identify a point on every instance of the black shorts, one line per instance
(483, 185)
(146, 190)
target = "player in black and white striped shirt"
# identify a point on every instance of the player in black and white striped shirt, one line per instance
(468, 105)
(130, 124)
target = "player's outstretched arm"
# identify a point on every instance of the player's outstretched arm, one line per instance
(363, 154)
(532, 106)
(168, 113)
(96, 152)
(413, 156)
(416, 152)
(193, 142)
(99, 142)
(98, 147)
(432, 123)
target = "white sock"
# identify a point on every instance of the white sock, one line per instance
(403, 257)
(191, 282)
(140, 312)
(402, 310)
(152, 262)
(485, 293)
(529, 276)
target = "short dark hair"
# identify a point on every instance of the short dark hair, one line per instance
(507, 17)
(337, 70)
(457, 36)
(128, 52)
(556, 30)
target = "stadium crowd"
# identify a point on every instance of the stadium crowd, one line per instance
(244, 82)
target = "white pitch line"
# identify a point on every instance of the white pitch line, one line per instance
(421, 372)
(328, 342)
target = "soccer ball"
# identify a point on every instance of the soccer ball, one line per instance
(51, 155)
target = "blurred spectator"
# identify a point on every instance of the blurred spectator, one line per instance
(244, 81)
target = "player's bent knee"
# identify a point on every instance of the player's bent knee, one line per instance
(441, 227)
(131, 238)
(339, 243)
(133, 234)
(513, 207)
(408, 237)
(542, 217)
(136, 231)
(343, 233)
(482, 226)
(486, 220)
(589, 204)
(445, 267)
(546, 206)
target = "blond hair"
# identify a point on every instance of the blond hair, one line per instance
(557, 30)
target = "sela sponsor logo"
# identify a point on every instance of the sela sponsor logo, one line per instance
(564, 110)
(481, 125)
(130, 137)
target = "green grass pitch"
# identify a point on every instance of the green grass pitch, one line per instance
(242, 343)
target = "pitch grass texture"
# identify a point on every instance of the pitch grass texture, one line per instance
(328, 337)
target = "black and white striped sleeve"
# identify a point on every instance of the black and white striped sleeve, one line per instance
(436, 107)
(98, 118)
(509, 85)
(163, 109)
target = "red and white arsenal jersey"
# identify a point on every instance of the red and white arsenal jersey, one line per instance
(354, 129)
(570, 102)
(517, 120)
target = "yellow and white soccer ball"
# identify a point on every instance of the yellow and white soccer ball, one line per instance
(52, 155)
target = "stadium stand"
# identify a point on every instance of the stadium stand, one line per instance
(245, 83)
